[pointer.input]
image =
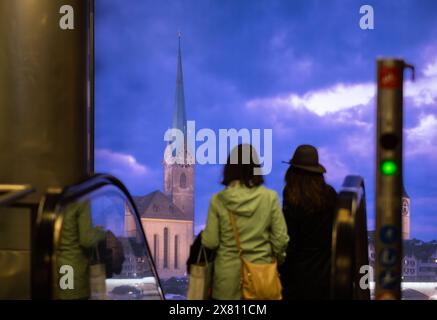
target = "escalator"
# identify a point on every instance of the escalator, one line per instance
(94, 230)
(90, 244)
(11, 193)
(350, 243)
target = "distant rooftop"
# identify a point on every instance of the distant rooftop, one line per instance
(413, 247)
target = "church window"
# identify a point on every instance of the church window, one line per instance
(183, 181)
(155, 249)
(165, 248)
(176, 249)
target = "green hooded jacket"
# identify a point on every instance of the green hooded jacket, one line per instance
(261, 227)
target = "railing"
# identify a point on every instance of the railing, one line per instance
(91, 234)
(349, 242)
(9, 193)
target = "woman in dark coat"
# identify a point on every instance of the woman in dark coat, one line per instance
(308, 206)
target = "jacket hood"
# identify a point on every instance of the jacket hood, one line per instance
(241, 199)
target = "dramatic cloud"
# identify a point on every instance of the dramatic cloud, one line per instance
(422, 139)
(120, 161)
(360, 144)
(423, 91)
(321, 102)
(125, 167)
(335, 167)
(345, 96)
(431, 69)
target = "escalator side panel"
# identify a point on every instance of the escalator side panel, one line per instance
(15, 253)
(91, 234)
(349, 242)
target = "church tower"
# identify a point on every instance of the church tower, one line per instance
(179, 176)
(405, 215)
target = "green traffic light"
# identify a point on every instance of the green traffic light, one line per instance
(389, 167)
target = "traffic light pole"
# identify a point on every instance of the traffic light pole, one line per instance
(389, 182)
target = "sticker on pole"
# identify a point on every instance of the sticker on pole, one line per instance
(389, 78)
(388, 280)
(388, 234)
(388, 257)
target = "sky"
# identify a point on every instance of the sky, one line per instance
(304, 69)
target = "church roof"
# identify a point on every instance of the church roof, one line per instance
(157, 205)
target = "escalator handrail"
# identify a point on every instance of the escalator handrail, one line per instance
(49, 227)
(10, 193)
(349, 241)
(355, 184)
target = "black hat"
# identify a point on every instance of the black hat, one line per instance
(306, 158)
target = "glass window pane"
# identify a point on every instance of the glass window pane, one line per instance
(102, 244)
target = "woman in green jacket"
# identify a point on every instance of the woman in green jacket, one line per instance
(260, 223)
(78, 238)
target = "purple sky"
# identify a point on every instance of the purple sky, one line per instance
(302, 68)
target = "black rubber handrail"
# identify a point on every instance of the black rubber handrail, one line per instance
(10, 193)
(47, 230)
(349, 242)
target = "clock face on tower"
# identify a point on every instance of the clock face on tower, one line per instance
(405, 208)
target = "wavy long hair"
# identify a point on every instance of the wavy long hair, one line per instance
(305, 189)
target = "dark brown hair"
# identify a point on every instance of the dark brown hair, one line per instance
(240, 171)
(305, 189)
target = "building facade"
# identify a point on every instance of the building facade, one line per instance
(419, 261)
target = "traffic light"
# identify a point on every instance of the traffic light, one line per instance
(389, 182)
(389, 167)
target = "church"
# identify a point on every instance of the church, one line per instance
(168, 217)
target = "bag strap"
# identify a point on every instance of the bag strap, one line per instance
(202, 250)
(237, 238)
(95, 255)
(235, 232)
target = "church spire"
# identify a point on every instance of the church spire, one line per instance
(179, 117)
(179, 174)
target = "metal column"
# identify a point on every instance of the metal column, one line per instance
(45, 131)
(44, 76)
